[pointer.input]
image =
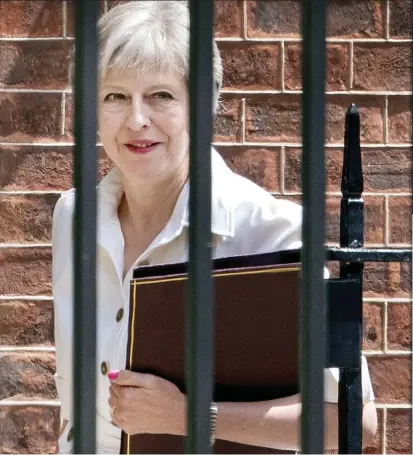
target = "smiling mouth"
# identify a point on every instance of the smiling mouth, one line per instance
(142, 148)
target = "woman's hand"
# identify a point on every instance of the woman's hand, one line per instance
(143, 403)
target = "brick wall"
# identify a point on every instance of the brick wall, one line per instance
(257, 131)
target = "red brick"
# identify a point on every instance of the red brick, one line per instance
(27, 375)
(26, 323)
(376, 446)
(29, 429)
(384, 170)
(399, 326)
(228, 15)
(30, 116)
(337, 67)
(260, 165)
(400, 215)
(382, 66)
(399, 431)
(356, 19)
(38, 168)
(400, 19)
(387, 170)
(26, 218)
(350, 18)
(373, 326)
(25, 271)
(371, 117)
(391, 378)
(227, 125)
(374, 220)
(281, 17)
(273, 118)
(400, 120)
(252, 67)
(35, 64)
(387, 279)
(40, 18)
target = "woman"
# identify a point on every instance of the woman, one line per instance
(143, 219)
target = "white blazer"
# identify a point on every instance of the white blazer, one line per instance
(245, 220)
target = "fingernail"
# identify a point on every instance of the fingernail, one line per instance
(113, 374)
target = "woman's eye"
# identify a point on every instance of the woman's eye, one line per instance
(115, 97)
(162, 96)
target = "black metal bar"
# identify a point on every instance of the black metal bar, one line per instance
(199, 310)
(313, 314)
(84, 240)
(352, 235)
(368, 254)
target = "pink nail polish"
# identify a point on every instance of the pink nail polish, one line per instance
(113, 374)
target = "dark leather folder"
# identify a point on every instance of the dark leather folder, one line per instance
(256, 307)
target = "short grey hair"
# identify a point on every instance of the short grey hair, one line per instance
(150, 36)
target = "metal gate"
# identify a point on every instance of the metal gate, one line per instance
(317, 346)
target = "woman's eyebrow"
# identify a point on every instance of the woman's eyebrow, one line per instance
(117, 87)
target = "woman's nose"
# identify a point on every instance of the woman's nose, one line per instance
(138, 117)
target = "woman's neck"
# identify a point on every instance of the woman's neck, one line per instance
(149, 207)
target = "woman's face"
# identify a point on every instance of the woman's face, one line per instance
(143, 124)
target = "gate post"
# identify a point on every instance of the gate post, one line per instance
(352, 235)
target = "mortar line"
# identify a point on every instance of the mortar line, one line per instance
(37, 298)
(39, 38)
(388, 300)
(64, 18)
(243, 121)
(394, 353)
(385, 326)
(351, 71)
(24, 245)
(30, 349)
(244, 20)
(386, 119)
(387, 23)
(386, 221)
(384, 431)
(393, 406)
(282, 170)
(282, 67)
(63, 114)
(30, 403)
(257, 40)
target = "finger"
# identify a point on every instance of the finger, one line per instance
(114, 390)
(130, 378)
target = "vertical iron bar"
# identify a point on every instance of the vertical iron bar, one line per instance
(85, 176)
(352, 235)
(313, 307)
(199, 310)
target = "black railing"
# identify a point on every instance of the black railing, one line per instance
(199, 314)
(85, 178)
(313, 299)
(345, 313)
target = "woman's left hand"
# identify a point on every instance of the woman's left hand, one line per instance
(143, 403)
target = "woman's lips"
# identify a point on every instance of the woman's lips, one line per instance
(142, 150)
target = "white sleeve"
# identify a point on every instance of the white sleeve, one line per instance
(63, 314)
(331, 377)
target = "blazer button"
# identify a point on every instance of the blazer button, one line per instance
(119, 315)
(104, 368)
(70, 435)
